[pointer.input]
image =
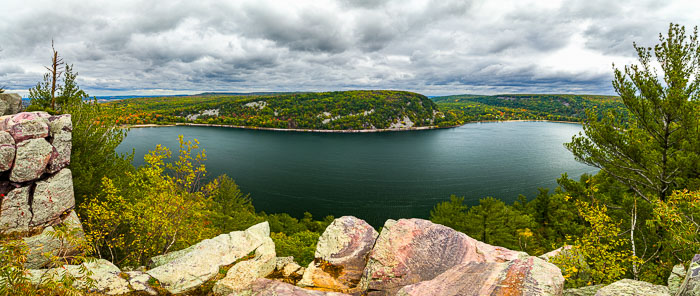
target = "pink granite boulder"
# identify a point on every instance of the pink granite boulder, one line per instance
(531, 276)
(31, 159)
(341, 255)
(26, 125)
(7, 151)
(60, 130)
(409, 251)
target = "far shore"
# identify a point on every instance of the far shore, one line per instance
(420, 128)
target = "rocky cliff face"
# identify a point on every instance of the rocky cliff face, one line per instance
(36, 188)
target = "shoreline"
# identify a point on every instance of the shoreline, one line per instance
(420, 128)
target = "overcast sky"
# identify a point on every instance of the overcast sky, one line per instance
(433, 47)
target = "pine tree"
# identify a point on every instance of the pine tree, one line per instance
(656, 150)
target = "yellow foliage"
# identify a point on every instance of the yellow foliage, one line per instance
(164, 208)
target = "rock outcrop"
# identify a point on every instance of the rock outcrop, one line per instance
(10, 104)
(244, 273)
(691, 283)
(629, 287)
(184, 270)
(529, 276)
(409, 251)
(36, 188)
(341, 255)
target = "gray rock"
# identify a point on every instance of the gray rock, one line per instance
(7, 151)
(15, 215)
(197, 264)
(60, 129)
(105, 275)
(47, 243)
(529, 276)
(414, 250)
(675, 279)
(691, 283)
(583, 291)
(629, 287)
(32, 157)
(139, 282)
(26, 125)
(52, 198)
(10, 103)
(341, 255)
(240, 276)
(267, 287)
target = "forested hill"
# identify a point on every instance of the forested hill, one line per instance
(467, 108)
(342, 110)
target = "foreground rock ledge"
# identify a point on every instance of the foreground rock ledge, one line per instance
(530, 276)
(341, 255)
(409, 251)
(184, 270)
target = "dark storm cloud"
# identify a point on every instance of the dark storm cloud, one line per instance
(429, 46)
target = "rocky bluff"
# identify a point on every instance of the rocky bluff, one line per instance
(35, 186)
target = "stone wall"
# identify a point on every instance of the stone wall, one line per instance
(36, 187)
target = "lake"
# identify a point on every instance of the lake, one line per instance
(377, 176)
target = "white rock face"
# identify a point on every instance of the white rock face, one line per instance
(189, 268)
(257, 104)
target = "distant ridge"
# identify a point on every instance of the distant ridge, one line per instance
(268, 93)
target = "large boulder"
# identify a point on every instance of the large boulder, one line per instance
(7, 151)
(10, 104)
(409, 251)
(240, 276)
(186, 269)
(341, 255)
(53, 197)
(15, 214)
(530, 276)
(629, 287)
(26, 125)
(691, 283)
(31, 159)
(105, 276)
(47, 243)
(267, 287)
(60, 130)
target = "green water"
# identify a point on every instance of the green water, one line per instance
(376, 176)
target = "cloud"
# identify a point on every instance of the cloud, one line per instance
(429, 46)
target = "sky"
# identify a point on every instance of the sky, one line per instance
(433, 47)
